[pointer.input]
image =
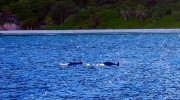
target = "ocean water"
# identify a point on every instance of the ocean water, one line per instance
(31, 67)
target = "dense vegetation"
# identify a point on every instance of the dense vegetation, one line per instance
(95, 14)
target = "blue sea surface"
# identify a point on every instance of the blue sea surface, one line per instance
(30, 67)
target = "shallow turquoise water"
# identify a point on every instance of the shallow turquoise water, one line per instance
(149, 67)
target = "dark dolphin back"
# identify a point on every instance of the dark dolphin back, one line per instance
(75, 63)
(118, 64)
(109, 63)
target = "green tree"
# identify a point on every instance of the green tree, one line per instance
(30, 24)
(41, 8)
(125, 14)
(81, 3)
(127, 9)
(6, 10)
(6, 2)
(48, 20)
(62, 10)
(163, 9)
(140, 12)
(32, 9)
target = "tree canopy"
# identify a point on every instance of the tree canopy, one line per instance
(74, 14)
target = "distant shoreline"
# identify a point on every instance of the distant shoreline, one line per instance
(93, 31)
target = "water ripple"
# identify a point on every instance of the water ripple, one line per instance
(149, 67)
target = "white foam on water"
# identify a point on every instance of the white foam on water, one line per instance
(100, 64)
(87, 64)
(63, 64)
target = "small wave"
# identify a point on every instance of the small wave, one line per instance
(63, 64)
(99, 64)
(88, 64)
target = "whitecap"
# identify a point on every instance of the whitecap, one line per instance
(63, 64)
(100, 64)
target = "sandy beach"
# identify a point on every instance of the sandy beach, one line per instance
(98, 31)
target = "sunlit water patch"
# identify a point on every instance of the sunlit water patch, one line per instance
(35, 67)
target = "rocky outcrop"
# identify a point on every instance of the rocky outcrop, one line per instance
(10, 26)
(10, 22)
(1, 27)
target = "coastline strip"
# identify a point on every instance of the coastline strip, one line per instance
(98, 31)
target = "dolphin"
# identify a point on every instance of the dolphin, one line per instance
(74, 63)
(110, 64)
